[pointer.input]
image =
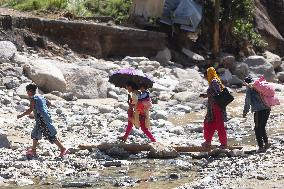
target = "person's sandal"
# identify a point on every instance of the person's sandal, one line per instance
(30, 153)
(267, 145)
(223, 146)
(64, 152)
(206, 145)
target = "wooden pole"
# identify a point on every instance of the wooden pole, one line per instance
(147, 147)
(216, 37)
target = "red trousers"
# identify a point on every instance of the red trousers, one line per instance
(216, 124)
(142, 125)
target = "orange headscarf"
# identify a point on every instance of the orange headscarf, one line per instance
(211, 74)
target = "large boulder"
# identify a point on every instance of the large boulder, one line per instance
(228, 61)
(273, 59)
(258, 65)
(164, 56)
(183, 74)
(87, 83)
(266, 28)
(46, 75)
(241, 70)
(7, 50)
(21, 91)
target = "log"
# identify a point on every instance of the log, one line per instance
(147, 147)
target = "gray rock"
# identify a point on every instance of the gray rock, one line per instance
(178, 130)
(46, 75)
(24, 182)
(69, 96)
(112, 94)
(280, 77)
(11, 82)
(87, 83)
(7, 50)
(76, 185)
(161, 114)
(117, 152)
(164, 56)
(228, 61)
(273, 59)
(236, 81)
(192, 55)
(59, 111)
(258, 65)
(105, 109)
(174, 176)
(217, 151)
(130, 60)
(186, 96)
(6, 100)
(241, 70)
(4, 142)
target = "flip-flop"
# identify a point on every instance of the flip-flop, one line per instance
(30, 153)
(64, 152)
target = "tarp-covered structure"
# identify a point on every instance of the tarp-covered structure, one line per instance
(187, 13)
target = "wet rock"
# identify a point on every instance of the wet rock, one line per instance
(117, 152)
(7, 50)
(158, 150)
(59, 111)
(76, 185)
(112, 164)
(4, 142)
(217, 151)
(174, 176)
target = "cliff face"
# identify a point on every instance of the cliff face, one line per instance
(270, 23)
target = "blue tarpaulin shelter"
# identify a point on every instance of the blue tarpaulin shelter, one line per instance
(187, 13)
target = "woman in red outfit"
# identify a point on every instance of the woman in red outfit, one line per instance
(134, 117)
(214, 119)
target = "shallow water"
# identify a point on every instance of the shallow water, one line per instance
(146, 173)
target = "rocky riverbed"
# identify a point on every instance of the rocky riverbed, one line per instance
(88, 110)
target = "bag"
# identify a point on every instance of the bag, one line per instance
(224, 98)
(266, 92)
(263, 87)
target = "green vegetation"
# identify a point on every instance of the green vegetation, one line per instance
(118, 9)
(238, 14)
